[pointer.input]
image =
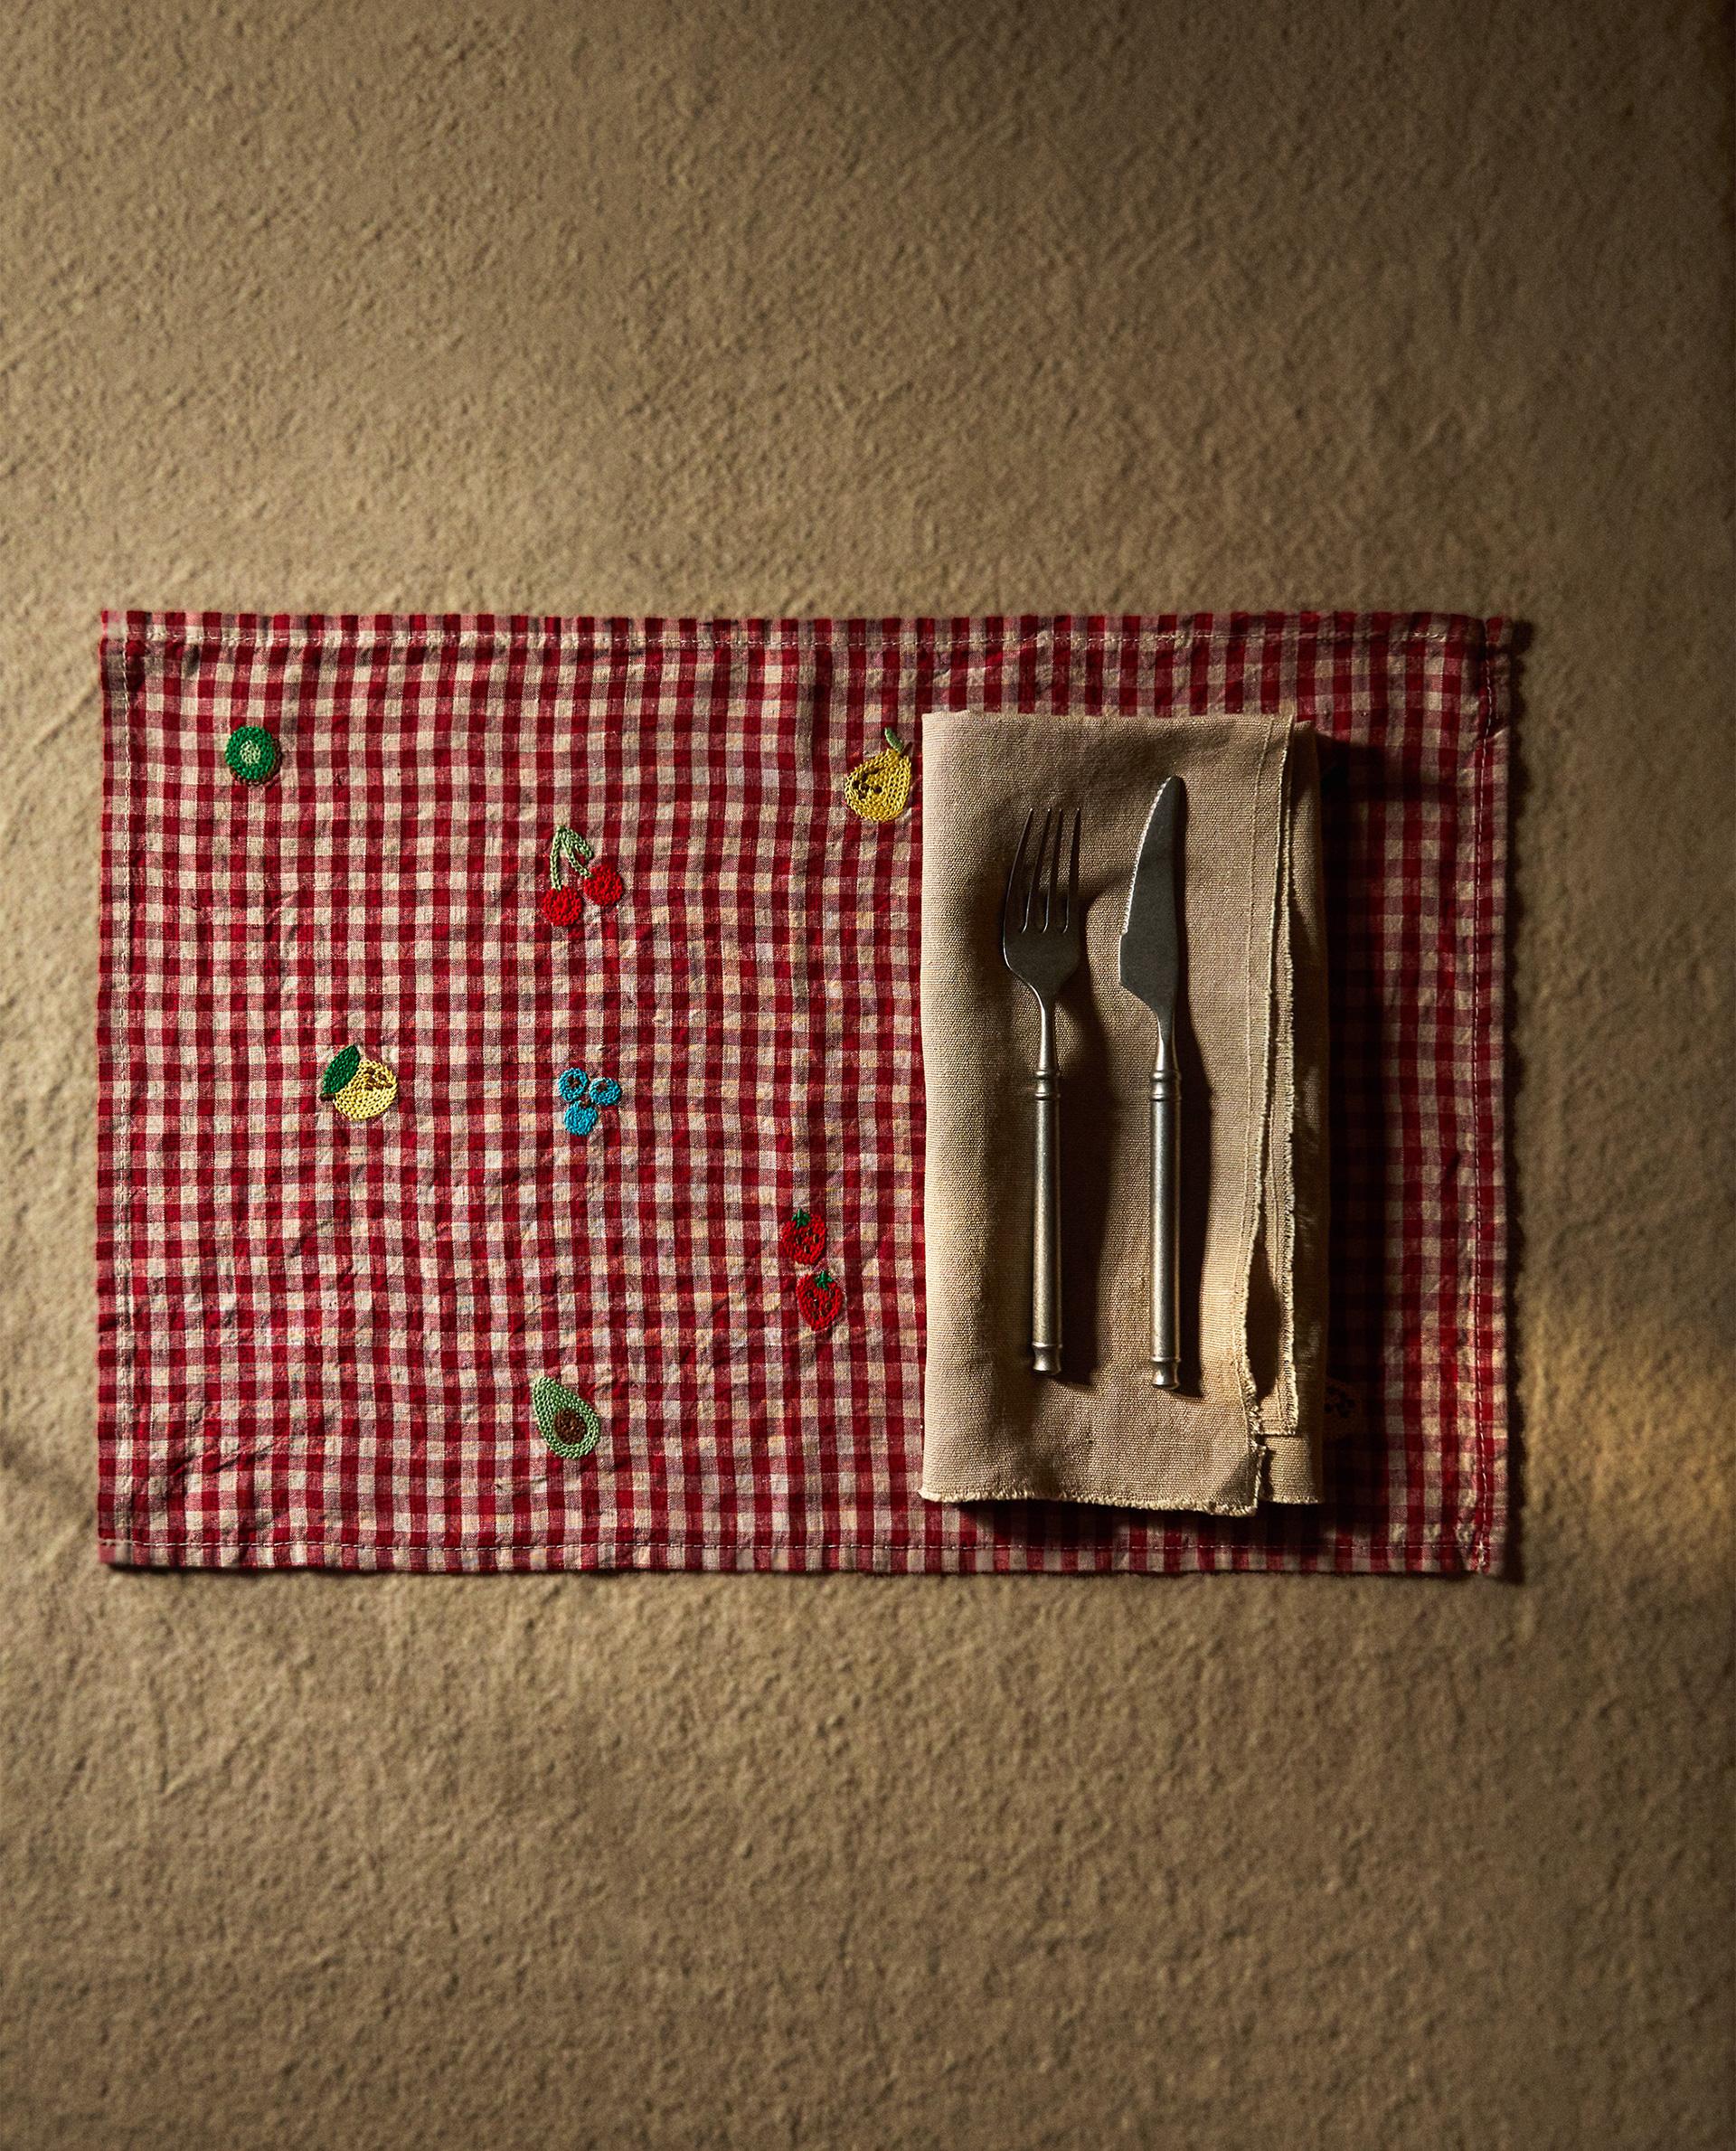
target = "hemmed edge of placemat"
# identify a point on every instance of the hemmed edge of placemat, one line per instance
(1429, 1556)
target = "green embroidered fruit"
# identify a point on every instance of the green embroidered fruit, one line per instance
(251, 754)
(878, 789)
(565, 1420)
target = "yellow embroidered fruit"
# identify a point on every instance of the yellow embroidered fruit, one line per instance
(878, 789)
(359, 1088)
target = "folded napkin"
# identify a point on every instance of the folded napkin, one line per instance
(1252, 1047)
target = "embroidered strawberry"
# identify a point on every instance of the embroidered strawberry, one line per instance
(562, 907)
(802, 1239)
(603, 886)
(821, 1299)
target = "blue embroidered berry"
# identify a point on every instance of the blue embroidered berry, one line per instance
(604, 1091)
(581, 1118)
(251, 754)
(571, 1084)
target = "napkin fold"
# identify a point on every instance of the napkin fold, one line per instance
(1251, 1037)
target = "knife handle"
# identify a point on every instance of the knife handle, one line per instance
(1045, 1228)
(1166, 1223)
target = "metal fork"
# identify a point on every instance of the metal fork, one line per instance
(1040, 942)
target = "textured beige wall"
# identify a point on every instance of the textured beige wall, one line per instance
(776, 307)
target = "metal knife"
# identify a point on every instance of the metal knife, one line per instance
(1151, 963)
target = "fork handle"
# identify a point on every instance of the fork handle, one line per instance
(1166, 1223)
(1045, 1228)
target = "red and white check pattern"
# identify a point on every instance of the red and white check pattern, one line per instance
(318, 1338)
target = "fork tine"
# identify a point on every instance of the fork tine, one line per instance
(1037, 865)
(1007, 919)
(1072, 873)
(1052, 882)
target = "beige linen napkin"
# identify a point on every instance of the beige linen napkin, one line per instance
(1253, 1045)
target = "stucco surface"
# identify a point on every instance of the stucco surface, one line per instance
(783, 307)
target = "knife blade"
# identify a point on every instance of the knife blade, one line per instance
(1151, 965)
(1151, 952)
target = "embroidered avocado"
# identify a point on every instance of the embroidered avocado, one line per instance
(878, 789)
(563, 1419)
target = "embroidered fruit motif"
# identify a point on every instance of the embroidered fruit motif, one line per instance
(598, 881)
(603, 886)
(585, 1097)
(563, 1419)
(559, 903)
(251, 754)
(359, 1088)
(878, 789)
(802, 1238)
(821, 1299)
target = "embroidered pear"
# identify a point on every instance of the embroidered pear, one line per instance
(878, 789)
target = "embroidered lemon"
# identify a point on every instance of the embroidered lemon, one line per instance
(878, 789)
(359, 1088)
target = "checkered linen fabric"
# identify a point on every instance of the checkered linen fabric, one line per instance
(318, 1338)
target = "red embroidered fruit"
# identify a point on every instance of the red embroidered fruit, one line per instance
(821, 1299)
(802, 1239)
(603, 885)
(562, 907)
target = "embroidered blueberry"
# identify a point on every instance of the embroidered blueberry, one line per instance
(585, 1099)
(251, 754)
(803, 1238)
(565, 1420)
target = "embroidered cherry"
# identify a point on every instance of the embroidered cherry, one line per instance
(802, 1239)
(603, 886)
(559, 903)
(821, 1299)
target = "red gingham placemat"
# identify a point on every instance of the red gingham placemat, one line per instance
(318, 1336)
